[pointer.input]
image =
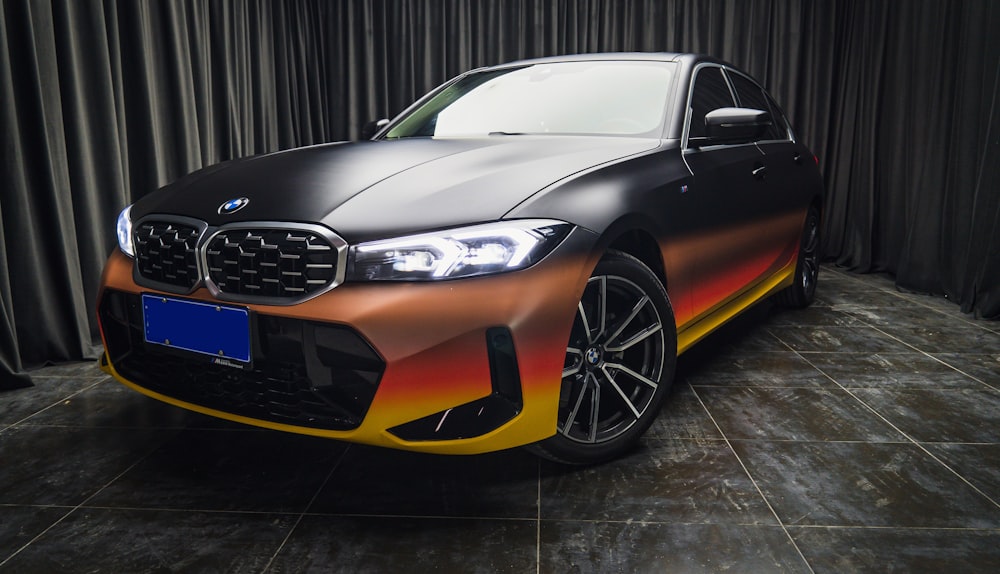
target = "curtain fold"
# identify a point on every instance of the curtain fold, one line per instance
(104, 101)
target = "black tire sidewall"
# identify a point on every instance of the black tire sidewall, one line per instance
(562, 449)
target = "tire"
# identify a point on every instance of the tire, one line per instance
(619, 364)
(801, 293)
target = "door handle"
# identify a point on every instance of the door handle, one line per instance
(759, 171)
(797, 158)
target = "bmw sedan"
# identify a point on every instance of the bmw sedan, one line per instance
(516, 259)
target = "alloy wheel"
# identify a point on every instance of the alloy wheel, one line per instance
(614, 361)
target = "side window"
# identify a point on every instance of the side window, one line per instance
(711, 92)
(779, 118)
(752, 96)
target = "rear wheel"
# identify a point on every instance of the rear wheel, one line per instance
(619, 364)
(802, 292)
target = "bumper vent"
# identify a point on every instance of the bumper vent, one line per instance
(266, 263)
(166, 253)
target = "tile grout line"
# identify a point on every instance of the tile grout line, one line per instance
(538, 521)
(879, 415)
(82, 504)
(903, 296)
(305, 511)
(909, 438)
(65, 398)
(928, 355)
(753, 481)
(917, 350)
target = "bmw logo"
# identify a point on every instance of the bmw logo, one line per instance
(593, 355)
(233, 205)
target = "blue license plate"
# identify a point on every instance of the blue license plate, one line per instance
(199, 327)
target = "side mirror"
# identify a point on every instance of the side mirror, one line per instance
(735, 125)
(371, 128)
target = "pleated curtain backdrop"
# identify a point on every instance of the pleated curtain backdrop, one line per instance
(103, 102)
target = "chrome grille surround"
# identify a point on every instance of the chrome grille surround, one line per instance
(265, 262)
(166, 253)
(273, 262)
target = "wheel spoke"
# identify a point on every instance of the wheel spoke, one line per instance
(578, 364)
(635, 311)
(595, 409)
(650, 382)
(614, 359)
(576, 408)
(602, 300)
(621, 393)
(583, 319)
(640, 336)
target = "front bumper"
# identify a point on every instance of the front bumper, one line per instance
(457, 367)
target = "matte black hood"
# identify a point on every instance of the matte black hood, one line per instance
(374, 189)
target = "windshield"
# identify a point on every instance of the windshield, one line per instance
(595, 98)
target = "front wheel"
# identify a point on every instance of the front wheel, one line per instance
(619, 364)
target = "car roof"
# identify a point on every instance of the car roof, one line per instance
(690, 59)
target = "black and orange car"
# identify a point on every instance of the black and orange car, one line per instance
(516, 259)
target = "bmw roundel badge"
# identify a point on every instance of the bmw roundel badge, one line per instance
(233, 205)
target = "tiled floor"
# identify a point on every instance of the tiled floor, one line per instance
(860, 435)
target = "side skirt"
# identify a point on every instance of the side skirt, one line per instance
(694, 332)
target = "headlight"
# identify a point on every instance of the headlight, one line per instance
(463, 252)
(125, 232)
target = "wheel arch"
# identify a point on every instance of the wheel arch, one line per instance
(641, 244)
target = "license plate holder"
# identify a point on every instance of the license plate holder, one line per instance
(198, 327)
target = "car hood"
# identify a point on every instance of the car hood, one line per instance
(372, 189)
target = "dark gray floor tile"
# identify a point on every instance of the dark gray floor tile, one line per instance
(946, 337)
(20, 524)
(858, 281)
(982, 366)
(977, 463)
(586, 547)
(372, 481)
(863, 484)
(105, 540)
(73, 370)
(19, 404)
(683, 416)
(914, 551)
(227, 470)
(814, 316)
(928, 415)
(856, 339)
(64, 466)
(746, 334)
(322, 544)
(793, 414)
(664, 481)
(913, 315)
(583, 547)
(110, 404)
(845, 297)
(782, 369)
(891, 371)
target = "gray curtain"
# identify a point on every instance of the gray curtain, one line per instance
(106, 101)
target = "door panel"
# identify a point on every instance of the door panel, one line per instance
(732, 249)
